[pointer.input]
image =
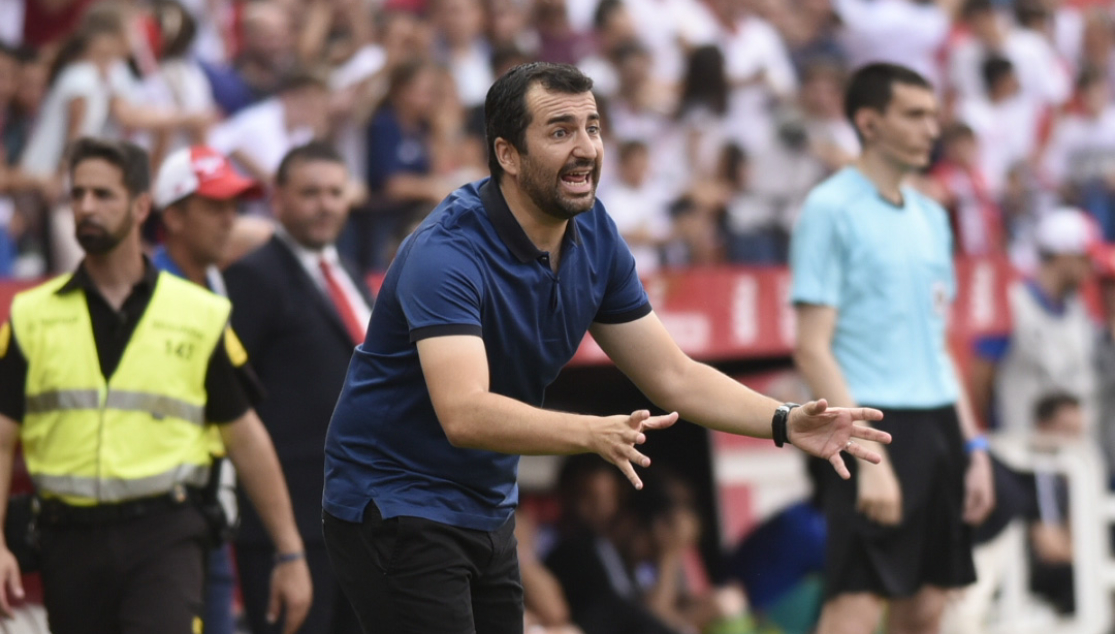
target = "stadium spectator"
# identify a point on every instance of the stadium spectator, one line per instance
(299, 309)
(638, 206)
(659, 535)
(461, 47)
(758, 69)
(904, 32)
(588, 561)
(1097, 48)
(1059, 418)
(1080, 155)
(545, 609)
(756, 233)
(510, 27)
(1043, 78)
(173, 372)
(1050, 346)
(258, 138)
(831, 138)
(196, 193)
(266, 58)
(1005, 122)
(703, 116)
(871, 289)
(178, 82)
(957, 182)
(613, 27)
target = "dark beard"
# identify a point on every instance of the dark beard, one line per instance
(96, 240)
(545, 193)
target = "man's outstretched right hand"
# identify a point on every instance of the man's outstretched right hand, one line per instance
(616, 436)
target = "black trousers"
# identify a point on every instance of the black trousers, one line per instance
(408, 575)
(330, 612)
(137, 576)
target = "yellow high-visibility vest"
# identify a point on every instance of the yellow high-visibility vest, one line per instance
(142, 432)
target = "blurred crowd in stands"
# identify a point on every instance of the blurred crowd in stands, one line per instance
(720, 114)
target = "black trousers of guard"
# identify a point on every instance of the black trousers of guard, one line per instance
(408, 575)
(136, 576)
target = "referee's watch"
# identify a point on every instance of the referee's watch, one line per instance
(779, 431)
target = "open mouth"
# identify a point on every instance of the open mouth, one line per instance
(577, 181)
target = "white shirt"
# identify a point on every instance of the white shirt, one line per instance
(1007, 134)
(350, 139)
(180, 84)
(311, 262)
(81, 80)
(751, 49)
(260, 132)
(1042, 74)
(472, 73)
(11, 22)
(663, 25)
(896, 31)
(1081, 147)
(639, 209)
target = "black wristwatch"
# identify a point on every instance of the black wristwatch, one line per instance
(778, 429)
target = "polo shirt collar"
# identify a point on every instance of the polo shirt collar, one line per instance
(509, 229)
(81, 280)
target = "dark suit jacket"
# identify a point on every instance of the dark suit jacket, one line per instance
(299, 348)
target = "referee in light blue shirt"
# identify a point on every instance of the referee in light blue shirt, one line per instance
(872, 283)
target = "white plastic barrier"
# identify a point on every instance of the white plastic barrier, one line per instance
(1091, 513)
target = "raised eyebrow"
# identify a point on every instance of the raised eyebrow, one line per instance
(568, 118)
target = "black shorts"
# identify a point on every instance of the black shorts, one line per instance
(932, 545)
(409, 575)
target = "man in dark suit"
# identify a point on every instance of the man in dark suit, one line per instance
(299, 312)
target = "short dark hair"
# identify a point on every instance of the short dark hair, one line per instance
(177, 27)
(604, 11)
(995, 69)
(1089, 76)
(956, 132)
(1048, 405)
(505, 107)
(312, 151)
(299, 78)
(627, 148)
(972, 8)
(132, 160)
(872, 86)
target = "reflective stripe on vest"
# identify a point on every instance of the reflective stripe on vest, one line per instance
(155, 404)
(120, 490)
(87, 440)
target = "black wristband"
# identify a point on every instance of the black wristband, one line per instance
(779, 430)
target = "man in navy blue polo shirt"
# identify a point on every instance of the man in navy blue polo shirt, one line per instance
(483, 305)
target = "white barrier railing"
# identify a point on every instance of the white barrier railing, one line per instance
(1091, 513)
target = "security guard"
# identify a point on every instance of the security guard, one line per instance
(110, 378)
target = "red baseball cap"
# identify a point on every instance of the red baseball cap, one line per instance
(203, 171)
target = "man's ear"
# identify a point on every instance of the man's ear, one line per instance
(866, 121)
(142, 207)
(507, 155)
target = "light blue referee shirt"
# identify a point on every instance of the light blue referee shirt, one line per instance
(888, 271)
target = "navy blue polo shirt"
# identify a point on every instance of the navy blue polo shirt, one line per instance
(469, 269)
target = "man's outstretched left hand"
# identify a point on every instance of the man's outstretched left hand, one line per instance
(825, 432)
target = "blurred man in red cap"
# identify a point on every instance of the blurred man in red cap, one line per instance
(197, 192)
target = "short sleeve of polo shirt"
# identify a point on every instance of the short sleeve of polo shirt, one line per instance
(624, 298)
(440, 290)
(816, 256)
